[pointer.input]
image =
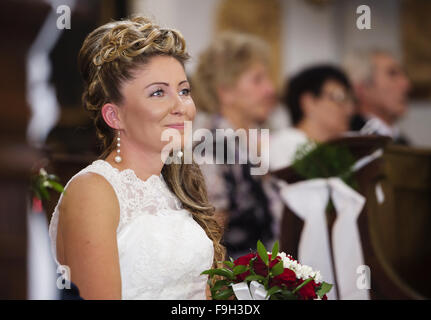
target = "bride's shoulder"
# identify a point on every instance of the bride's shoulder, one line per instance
(89, 192)
(88, 182)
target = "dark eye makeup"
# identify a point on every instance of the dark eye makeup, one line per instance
(186, 91)
(158, 92)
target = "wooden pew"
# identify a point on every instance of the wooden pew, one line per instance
(15, 168)
(405, 223)
(378, 223)
(16, 157)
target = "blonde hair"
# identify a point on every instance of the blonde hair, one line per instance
(221, 64)
(107, 59)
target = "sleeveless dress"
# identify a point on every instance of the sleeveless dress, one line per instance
(162, 249)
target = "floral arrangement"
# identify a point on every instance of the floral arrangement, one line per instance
(41, 182)
(269, 275)
(324, 160)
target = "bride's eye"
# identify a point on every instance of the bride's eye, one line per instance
(157, 93)
(185, 92)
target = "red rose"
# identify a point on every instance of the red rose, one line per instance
(288, 278)
(241, 277)
(273, 262)
(261, 268)
(308, 291)
(244, 260)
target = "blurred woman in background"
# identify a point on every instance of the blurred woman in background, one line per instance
(319, 101)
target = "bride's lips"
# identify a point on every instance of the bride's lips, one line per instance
(178, 126)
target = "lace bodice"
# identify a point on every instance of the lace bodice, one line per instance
(162, 249)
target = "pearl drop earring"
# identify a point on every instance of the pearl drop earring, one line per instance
(118, 157)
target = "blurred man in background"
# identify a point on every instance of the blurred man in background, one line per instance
(381, 88)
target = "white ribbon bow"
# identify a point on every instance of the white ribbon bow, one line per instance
(255, 292)
(308, 200)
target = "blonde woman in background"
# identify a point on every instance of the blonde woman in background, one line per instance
(129, 226)
(232, 84)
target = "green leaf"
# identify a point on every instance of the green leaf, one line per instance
(274, 253)
(56, 186)
(324, 289)
(273, 290)
(288, 295)
(210, 272)
(226, 273)
(219, 284)
(231, 259)
(255, 277)
(301, 285)
(239, 269)
(223, 295)
(277, 269)
(229, 264)
(261, 250)
(44, 193)
(220, 272)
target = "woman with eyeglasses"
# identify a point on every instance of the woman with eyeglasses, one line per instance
(320, 105)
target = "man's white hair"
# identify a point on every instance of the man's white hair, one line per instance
(358, 63)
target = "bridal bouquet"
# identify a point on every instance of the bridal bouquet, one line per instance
(267, 275)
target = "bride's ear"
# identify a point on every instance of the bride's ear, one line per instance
(111, 115)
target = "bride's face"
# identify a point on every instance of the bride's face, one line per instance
(158, 98)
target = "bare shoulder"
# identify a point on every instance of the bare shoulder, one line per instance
(90, 196)
(87, 236)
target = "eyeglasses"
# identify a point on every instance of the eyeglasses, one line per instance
(338, 96)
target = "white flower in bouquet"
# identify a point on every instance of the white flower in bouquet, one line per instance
(302, 271)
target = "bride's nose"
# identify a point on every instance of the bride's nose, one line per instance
(178, 107)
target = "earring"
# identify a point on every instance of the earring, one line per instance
(179, 154)
(118, 157)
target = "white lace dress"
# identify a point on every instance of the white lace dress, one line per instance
(162, 249)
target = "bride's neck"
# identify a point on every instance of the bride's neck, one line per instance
(143, 162)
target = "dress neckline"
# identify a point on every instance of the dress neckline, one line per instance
(131, 172)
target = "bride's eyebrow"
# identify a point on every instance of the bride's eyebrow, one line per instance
(165, 83)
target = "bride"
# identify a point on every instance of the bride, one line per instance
(129, 226)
